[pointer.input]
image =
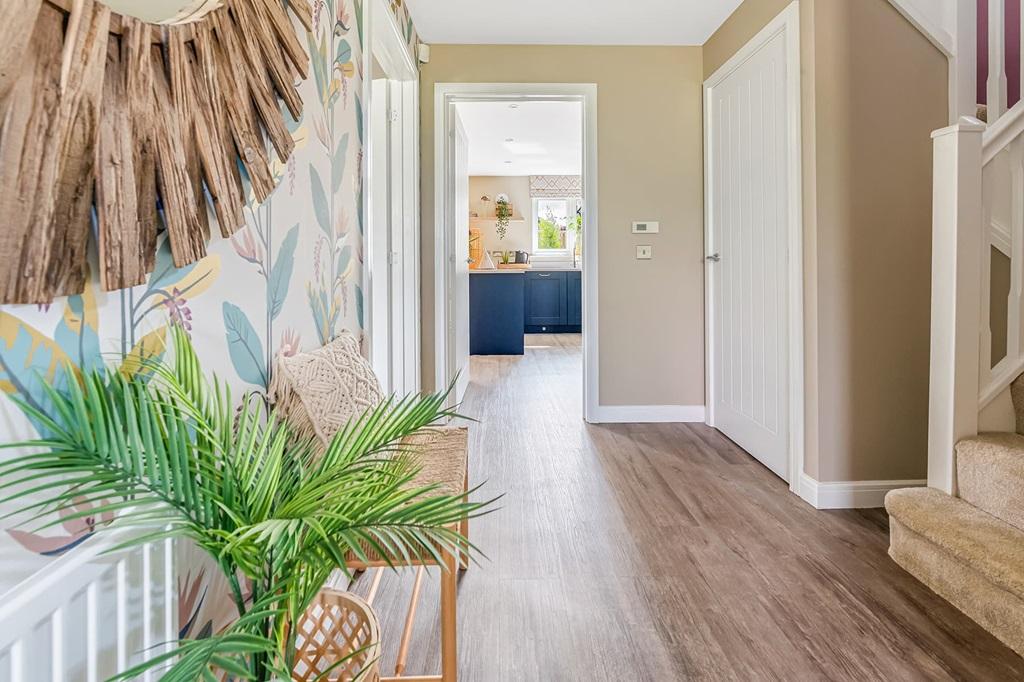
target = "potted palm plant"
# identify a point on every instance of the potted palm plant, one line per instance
(165, 451)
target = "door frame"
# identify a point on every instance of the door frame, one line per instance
(787, 22)
(387, 44)
(446, 94)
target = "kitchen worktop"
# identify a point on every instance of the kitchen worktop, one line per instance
(519, 272)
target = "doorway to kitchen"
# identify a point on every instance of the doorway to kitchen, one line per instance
(517, 226)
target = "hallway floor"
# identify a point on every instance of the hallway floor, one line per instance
(664, 552)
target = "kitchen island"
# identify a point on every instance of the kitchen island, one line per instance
(496, 304)
(506, 304)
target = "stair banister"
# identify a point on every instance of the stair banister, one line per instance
(958, 242)
(1001, 134)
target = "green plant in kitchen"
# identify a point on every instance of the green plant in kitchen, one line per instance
(576, 225)
(503, 212)
(165, 454)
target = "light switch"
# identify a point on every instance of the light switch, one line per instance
(644, 252)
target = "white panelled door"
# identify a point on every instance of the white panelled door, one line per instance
(749, 140)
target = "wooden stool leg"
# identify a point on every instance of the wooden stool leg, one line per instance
(464, 526)
(449, 648)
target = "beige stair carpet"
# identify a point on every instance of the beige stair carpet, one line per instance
(990, 475)
(969, 557)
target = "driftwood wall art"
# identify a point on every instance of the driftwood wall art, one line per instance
(144, 123)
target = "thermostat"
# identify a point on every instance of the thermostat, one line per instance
(645, 228)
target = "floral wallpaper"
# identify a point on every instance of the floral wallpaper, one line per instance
(290, 280)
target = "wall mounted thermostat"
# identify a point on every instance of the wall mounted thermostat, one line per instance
(645, 228)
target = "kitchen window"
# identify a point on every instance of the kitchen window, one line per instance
(554, 223)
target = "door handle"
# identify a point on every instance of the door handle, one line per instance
(713, 258)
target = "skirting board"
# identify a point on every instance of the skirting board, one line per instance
(850, 494)
(647, 414)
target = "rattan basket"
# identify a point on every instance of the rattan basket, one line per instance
(338, 625)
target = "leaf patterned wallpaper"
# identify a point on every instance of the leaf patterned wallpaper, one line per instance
(290, 280)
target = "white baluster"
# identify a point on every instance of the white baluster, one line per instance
(958, 237)
(996, 85)
(985, 345)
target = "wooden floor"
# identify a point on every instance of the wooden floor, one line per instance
(664, 552)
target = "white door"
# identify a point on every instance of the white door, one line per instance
(458, 290)
(749, 141)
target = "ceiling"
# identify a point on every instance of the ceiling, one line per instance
(538, 138)
(569, 22)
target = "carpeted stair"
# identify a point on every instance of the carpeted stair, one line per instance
(970, 549)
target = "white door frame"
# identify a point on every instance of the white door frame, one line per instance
(787, 22)
(446, 94)
(387, 44)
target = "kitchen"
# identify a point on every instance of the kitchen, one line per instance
(525, 225)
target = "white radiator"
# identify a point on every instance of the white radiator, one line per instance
(90, 614)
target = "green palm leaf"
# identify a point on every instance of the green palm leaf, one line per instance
(164, 451)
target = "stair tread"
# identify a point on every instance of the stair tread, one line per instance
(990, 475)
(991, 546)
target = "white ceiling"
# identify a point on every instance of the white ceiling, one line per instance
(546, 137)
(569, 22)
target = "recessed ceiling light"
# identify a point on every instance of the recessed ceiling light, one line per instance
(509, 162)
(509, 139)
(513, 106)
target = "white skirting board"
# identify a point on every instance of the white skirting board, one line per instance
(647, 414)
(850, 494)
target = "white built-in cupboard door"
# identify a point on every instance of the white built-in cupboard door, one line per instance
(748, 216)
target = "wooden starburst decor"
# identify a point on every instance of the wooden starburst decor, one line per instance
(135, 126)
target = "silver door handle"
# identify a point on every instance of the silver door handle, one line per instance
(713, 258)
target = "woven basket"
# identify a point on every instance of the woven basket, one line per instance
(338, 625)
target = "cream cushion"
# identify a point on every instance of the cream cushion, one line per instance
(320, 391)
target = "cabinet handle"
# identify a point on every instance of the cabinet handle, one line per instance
(541, 274)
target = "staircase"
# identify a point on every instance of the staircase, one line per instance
(963, 536)
(970, 548)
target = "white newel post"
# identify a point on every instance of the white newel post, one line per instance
(996, 83)
(957, 247)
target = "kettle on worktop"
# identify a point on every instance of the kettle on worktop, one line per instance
(522, 258)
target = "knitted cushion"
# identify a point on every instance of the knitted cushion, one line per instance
(319, 392)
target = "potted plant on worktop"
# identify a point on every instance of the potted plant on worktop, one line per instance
(166, 451)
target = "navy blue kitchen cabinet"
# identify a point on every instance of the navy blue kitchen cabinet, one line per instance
(574, 298)
(553, 302)
(496, 313)
(545, 299)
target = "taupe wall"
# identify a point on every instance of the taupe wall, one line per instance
(650, 168)
(867, 116)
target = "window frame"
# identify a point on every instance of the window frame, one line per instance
(572, 205)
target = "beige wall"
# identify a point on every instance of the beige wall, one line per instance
(875, 111)
(867, 115)
(519, 236)
(650, 168)
(742, 25)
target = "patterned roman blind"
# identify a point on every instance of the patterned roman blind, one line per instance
(556, 186)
